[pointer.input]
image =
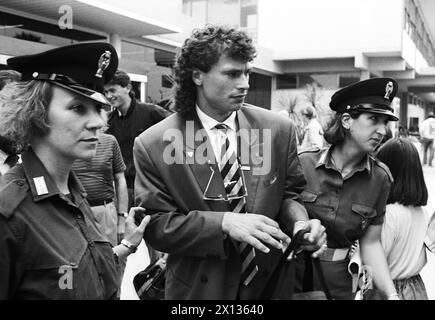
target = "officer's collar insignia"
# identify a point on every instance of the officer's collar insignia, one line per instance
(103, 63)
(388, 90)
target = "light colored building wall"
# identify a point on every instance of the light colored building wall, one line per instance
(412, 55)
(160, 10)
(333, 28)
(415, 111)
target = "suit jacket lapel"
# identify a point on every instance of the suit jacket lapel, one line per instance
(250, 156)
(199, 155)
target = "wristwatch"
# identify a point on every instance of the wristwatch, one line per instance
(129, 245)
(123, 214)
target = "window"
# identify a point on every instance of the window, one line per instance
(286, 81)
(345, 81)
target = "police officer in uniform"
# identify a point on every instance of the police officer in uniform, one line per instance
(50, 246)
(347, 188)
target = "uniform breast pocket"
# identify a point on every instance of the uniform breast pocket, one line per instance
(51, 274)
(316, 206)
(363, 213)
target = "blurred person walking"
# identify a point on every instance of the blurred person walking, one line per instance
(427, 137)
(405, 223)
(313, 136)
(347, 189)
(51, 247)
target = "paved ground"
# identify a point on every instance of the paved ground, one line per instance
(139, 260)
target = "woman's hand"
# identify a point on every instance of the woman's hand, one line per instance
(133, 233)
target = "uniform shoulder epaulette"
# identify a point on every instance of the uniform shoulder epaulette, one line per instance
(383, 166)
(309, 150)
(11, 196)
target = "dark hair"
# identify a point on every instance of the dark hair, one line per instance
(202, 50)
(335, 134)
(401, 157)
(120, 78)
(7, 76)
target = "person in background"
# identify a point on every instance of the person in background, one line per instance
(129, 118)
(403, 132)
(8, 148)
(224, 213)
(102, 176)
(50, 245)
(405, 223)
(313, 136)
(347, 188)
(427, 137)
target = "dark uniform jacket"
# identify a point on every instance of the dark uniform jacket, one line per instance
(49, 245)
(140, 116)
(345, 207)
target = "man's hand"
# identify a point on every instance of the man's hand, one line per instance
(254, 229)
(315, 239)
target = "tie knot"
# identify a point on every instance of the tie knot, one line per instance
(221, 126)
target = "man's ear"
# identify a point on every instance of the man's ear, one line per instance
(128, 87)
(346, 120)
(197, 76)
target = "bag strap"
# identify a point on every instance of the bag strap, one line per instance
(274, 277)
(321, 277)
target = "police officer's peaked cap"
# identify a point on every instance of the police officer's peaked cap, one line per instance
(82, 68)
(373, 95)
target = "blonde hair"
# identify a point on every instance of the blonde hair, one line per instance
(23, 111)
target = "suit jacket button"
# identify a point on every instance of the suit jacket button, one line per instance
(204, 279)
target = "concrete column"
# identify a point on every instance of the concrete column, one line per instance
(403, 115)
(365, 75)
(115, 41)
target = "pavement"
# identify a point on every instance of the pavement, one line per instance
(138, 261)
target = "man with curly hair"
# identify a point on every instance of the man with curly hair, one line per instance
(220, 178)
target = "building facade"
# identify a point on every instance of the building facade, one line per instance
(306, 49)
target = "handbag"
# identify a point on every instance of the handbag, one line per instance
(150, 283)
(308, 292)
(282, 281)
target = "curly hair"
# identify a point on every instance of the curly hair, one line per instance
(23, 111)
(201, 51)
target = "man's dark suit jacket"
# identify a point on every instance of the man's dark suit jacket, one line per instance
(203, 263)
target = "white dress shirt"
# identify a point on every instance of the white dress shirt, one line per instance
(217, 137)
(4, 167)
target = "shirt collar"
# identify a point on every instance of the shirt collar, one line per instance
(129, 110)
(209, 123)
(36, 172)
(325, 160)
(3, 156)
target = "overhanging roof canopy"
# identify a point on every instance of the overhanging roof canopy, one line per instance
(94, 15)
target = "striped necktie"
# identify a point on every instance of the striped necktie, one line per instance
(233, 182)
